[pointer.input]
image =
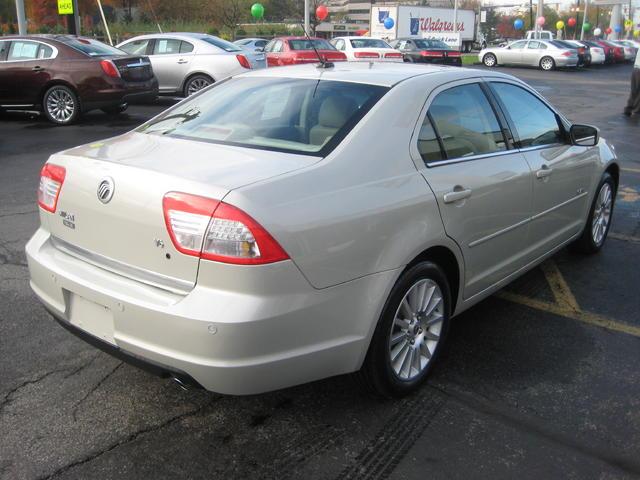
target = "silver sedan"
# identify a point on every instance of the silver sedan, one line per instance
(532, 53)
(295, 223)
(185, 63)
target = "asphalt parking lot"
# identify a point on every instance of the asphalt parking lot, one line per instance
(539, 381)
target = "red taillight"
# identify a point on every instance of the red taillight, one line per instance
(109, 68)
(213, 230)
(366, 55)
(429, 53)
(51, 180)
(567, 53)
(243, 61)
(393, 55)
(453, 54)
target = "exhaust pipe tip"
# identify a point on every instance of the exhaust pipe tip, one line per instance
(180, 383)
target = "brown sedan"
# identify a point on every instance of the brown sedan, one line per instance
(65, 76)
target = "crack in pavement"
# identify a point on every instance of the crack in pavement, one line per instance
(4, 215)
(93, 389)
(82, 367)
(536, 426)
(8, 397)
(129, 439)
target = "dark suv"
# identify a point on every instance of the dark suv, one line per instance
(65, 76)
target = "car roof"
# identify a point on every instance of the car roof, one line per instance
(372, 73)
(299, 37)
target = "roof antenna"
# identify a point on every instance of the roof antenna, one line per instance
(323, 61)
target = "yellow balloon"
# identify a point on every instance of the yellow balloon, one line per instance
(559, 24)
(636, 33)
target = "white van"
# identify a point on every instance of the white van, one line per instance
(540, 34)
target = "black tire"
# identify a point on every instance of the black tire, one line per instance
(53, 101)
(544, 61)
(195, 83)
(377, 372)
(490, 60)
(115, 110)
(587, 243)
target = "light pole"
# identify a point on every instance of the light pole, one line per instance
(306, 17)
(584, 19)
(22, 21)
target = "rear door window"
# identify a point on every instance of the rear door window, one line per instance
(535, 123)
(166, 46)
(23, 50)
(186, 47)
(4, 47)
(465, 122)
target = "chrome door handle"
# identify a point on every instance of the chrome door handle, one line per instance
(183, 61)
(544, 172)
(456, 195)
(37, 68)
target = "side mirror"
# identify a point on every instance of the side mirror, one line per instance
(259, 49)
(584, 135)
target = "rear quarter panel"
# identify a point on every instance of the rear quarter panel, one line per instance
(363, 209)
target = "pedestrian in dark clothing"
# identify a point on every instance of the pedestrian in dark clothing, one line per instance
(633, 104)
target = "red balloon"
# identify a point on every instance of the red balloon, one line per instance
(571, 22)
(322, 12)
(608, 31)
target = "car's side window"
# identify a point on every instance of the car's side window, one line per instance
(21, 50)
(269, 46)
(466, 123)
(533, 45)
(277, 47)
(535, 123)
(137, 47)
(166, 46)
(340, 44)
(261, 43)
(520, 44)
(428, 144)
(4, 46)
(186, 47)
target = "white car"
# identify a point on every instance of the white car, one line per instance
(597, 53)
(366, 49)
(295, 223)
(185, 63)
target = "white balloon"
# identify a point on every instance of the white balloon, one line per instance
(597, 32)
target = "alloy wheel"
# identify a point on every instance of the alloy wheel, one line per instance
(602, 214)
(60, 105)
(196, 85)
(546, 63)
(489, 60)
(415, 331)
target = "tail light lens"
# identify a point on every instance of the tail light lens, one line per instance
(428, 53)
(567, 53)
(453, 54)
(243, 61)
(51, 180)
(213, 230)
(109, 68)
(366, 55)
(393, 55)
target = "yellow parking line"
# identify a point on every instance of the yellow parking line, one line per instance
(585, 317)
(566, 304)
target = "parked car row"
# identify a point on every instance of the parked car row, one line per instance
(551, 54)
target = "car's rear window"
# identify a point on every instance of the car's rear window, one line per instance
(308, 44)
(284, 114)
(220, 43)
(369, 43)
(430, 44)
(93, 48)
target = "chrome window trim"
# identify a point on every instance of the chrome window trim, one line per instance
(526, 220)
(53, 56)
(164, 282)
(449, 161)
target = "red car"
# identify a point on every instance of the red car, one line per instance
(618, 51)
(65, 76)
(296, 50)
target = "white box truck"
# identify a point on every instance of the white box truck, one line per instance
(427, 22)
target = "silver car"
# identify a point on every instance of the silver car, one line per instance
(252, 44)
(533, 53)
(295, 223)
(185, 63)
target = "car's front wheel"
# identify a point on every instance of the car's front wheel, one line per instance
(410, 332)
(60, 105)
(490, 60)
(196, 83)
(599, 220)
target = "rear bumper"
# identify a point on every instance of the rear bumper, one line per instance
(121, 92)
(250, 330)
(566, 62)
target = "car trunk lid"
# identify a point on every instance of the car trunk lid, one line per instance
(127, 232)
(133, 68)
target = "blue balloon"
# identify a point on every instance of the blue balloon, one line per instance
(618, 28)
(518, 24)
(388, 23)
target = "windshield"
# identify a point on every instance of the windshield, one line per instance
(307, 44)
(220, 43)
(369, 43)
(92, 48)
(283, 114)
(431, 44)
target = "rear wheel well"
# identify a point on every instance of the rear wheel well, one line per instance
(195, 74)
(445, 259)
